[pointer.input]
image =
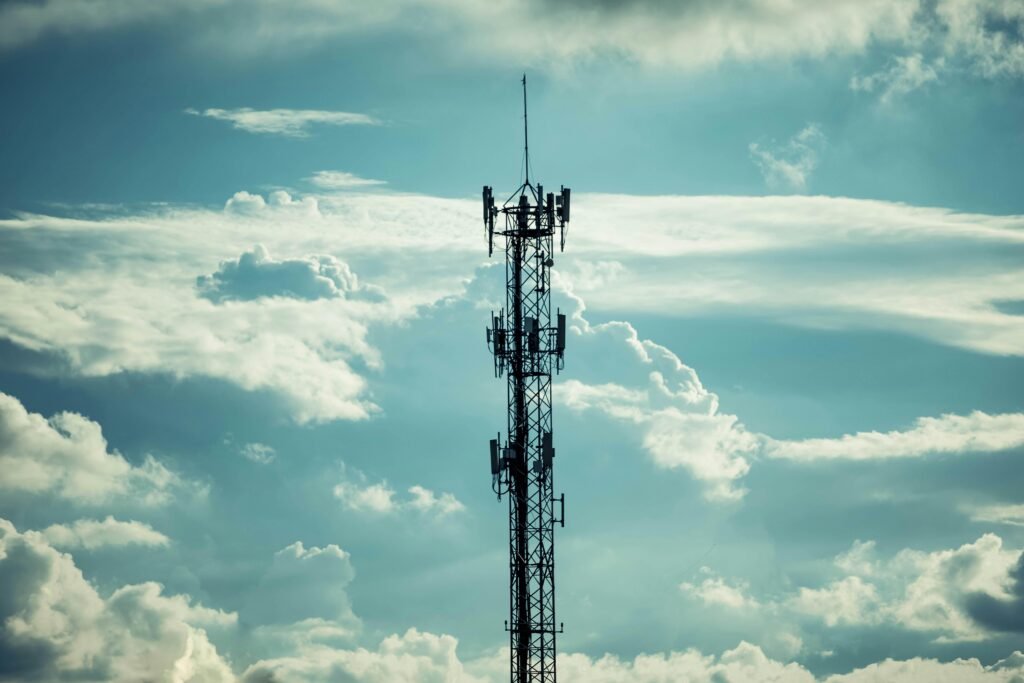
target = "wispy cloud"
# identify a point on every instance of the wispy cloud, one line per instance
(341, 180)
(906, 74)
(259, 453)
(1012, 515)
(294, 123)
(789, 165)
(977, 432)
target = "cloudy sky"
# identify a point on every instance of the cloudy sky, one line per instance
(245, 397)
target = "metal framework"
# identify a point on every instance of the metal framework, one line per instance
(527, 345)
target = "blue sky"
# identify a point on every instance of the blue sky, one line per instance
(244, 391)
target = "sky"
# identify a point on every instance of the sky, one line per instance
(245, 394)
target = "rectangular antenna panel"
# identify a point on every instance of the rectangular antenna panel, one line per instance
(533, 336)
(494, 456)
(560, 334)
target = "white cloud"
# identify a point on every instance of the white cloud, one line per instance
(55, 626)
(293, 123)
(426, 501)
(907, 73)
(259, 453)
(789, 165)
(67, 456)
(376, 498)
(918, 669)
(998, 514)
(359, 495)
(90, 534)
(341, 180)
(846, 601)
(973, 433)
(714, 590)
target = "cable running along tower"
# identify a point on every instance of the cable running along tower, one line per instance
(527, 345)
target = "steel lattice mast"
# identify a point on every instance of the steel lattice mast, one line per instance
(527, 346)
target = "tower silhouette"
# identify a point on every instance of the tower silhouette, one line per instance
(527, 346)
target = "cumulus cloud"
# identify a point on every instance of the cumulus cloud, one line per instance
(413, 657)
(965, 593)
(248, 204)
(847, 601)
(67, 456)
(789, 165)
(54, 626)
(256, 274)
(341, 180)
(1005, 611)
(1008, 670)
(714, 590)
(426, 501)
(968, 593)
(681, 424)
(293, 123)
(305, 589)
(90, 534)
(748, 663)
(359, 495)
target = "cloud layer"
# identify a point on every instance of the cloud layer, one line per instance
(982, 37)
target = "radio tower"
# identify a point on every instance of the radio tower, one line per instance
(526, 347)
